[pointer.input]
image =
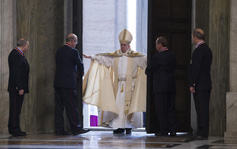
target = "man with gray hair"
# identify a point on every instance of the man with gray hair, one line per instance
(68, 67)
(17, 85)
(200, 82)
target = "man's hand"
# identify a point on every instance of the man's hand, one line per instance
(192, 89)
(85, 56)
(21, 92)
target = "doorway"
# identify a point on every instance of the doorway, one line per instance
(102, 22)
(172, 19)
(169, 18)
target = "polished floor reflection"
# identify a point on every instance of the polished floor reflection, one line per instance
(106, 139)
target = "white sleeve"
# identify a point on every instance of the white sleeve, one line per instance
(142, 61)
(104, 60)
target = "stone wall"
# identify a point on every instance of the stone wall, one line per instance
(102, 22)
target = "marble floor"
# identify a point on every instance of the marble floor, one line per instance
(107, 140)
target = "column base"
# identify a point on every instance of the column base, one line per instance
(229, 134)
(231, 116)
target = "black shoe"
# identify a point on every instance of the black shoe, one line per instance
(200, 138)
(172, 134)
(62, 133)
(119, 131)
(23, 133)
(128, 130)
(161, 134)
(80, 132)
(19, 133)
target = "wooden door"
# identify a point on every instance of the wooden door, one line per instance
(77, 23)
(172, 19)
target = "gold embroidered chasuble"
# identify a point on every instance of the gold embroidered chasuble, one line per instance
(100, 85)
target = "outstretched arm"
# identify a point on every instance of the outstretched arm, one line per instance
(104, 60)
(86, 56)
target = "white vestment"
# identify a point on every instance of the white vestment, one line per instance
(118, 112)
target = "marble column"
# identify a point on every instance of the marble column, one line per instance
(213, 17)
(7, 42)
(42, 22)
(231, 96)
(219, 43)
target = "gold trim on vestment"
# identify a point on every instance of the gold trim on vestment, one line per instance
(116, 61)
(125, 34)
(101, 85)
(118, 53)
(128, 86)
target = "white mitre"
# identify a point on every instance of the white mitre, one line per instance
(125, 36)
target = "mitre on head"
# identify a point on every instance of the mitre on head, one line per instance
(125, 36)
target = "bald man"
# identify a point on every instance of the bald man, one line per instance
(200, 82)
(68, 67)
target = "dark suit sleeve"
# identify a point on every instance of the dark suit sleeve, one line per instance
(77, 60)
(175, 61)
(196, 66)
(153, 66)
(16, 70)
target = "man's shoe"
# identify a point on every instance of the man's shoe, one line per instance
(23, 133)
(172, 134)
(63, 133)
(200, 138)
(119, 131)
(80, 132)
(161, 134)
(128, 130)
(19, 133)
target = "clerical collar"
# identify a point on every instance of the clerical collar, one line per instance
(163, 49)
(19, 50)
(200, 43)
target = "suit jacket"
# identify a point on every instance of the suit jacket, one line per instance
(200, 67)
(18, 72)
(162, 69)
(68, 65)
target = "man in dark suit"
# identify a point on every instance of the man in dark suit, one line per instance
(162, 69)
(17, 85)
(68, 67)
(200, 82)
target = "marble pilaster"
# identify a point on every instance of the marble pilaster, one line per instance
(219, 43)
(231, 97)
(7, 40)
(213, 17)
(233, 45)
(231, 118)
(42, 23)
